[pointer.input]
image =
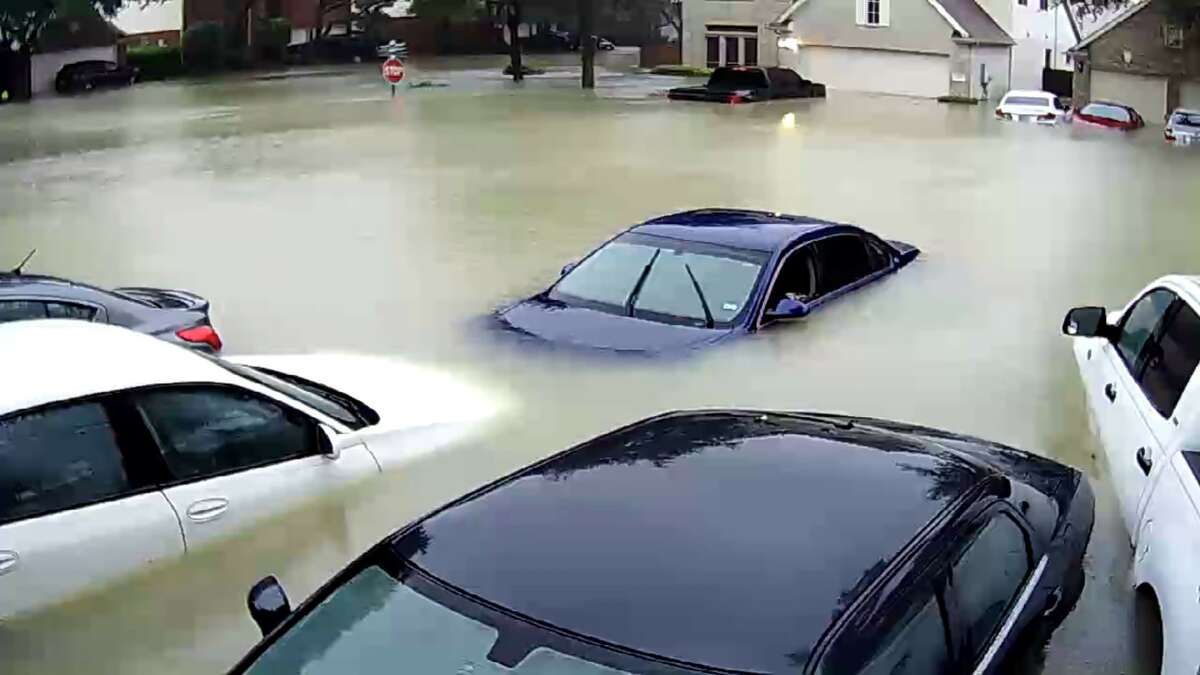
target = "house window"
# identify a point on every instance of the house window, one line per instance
(1023, 2)
(714, 51)
(1049, 54)
(750, 51)
(1173, 36)
(1044, 5)
(732, 51)
(873, 12)
(731, 45)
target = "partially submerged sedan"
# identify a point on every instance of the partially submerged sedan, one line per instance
(696, 278)
(749, 84)
(713, 542)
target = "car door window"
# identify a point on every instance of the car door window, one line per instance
(19, 310)
(1171, 360)
(796, 279)
(57, 459)
(985, 580)
(1139, 326)
(69, 310)
(209, 431)
(877, 254)
(908, 637)
(841, 260)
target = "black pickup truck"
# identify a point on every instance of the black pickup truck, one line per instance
(748, 84)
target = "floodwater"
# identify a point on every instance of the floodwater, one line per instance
(319, 214)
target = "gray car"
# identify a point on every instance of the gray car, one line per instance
(175, 316)
(1183, 127)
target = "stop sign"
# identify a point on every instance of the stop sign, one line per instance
(393, 70)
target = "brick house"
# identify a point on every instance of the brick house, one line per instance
(1140, 58)
(302, 14)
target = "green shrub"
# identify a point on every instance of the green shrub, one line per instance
(156, 63)
(204, 46)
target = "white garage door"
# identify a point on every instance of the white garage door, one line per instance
(871, 70)
(1189, 95)
(1147, 95)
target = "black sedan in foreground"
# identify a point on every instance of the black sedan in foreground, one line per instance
(749, 84)
(86, 75)
(720, 541)
(175, 316)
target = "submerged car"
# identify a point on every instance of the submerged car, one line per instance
(749, 84)
(1183, 127)
(1040, 107)
(1138, 368)
(1109, 115)
(87, 75)
(706, 542)
(175, 316)
(118, 450)
(699, 277)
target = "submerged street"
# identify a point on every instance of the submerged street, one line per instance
(318, 214)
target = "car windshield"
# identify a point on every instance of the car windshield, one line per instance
(664, 280)
(375, 625)
(1186, 119)
(1038, 101)
(1106, 111)
(729, 79)
(335, 404)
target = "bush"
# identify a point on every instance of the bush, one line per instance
(271, 38)
(156, 63)
(204, 46)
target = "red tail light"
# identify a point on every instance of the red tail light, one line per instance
(1048, 117)
(201, 335)
(1000, 115)
(736, 99)
(1167, 134)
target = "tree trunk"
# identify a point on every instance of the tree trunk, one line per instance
(587, 45)
(514, 39)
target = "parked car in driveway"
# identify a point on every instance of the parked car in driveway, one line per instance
(87, 75)
(175, 316)
(118, 450)
(749, 84)
(1040, 107)
(1183, 127)
(1109, 115)
(718, 541)
(1138, 368)
(700, 277)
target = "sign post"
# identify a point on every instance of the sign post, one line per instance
(393, 72)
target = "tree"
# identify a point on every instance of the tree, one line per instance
(446, 9)
(587, 46)
(1185, 12)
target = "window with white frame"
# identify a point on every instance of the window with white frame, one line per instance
(730, 45)
(873, 12)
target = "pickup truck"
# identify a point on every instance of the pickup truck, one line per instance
(1138, 368)
(749, 84)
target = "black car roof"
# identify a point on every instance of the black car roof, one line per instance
(739, 228)
(724, 539)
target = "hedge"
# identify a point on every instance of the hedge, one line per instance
(156, 63)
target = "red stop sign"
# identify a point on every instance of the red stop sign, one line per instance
(393, 70)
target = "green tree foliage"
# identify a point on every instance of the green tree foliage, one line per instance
(1186, 12)
(21, 21)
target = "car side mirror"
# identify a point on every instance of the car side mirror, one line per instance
(566, 269)
(788, 308)
(1086, 322)
(268, 604)
(327, 442)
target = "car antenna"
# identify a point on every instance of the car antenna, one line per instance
(18, 269)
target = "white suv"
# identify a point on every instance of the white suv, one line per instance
(1138, 367)
(118, 450)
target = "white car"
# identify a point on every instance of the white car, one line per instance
(1040, 107)
(1138, 367)
(118, 450)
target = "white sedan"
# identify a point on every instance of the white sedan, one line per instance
(1137, 366)
(1040, 107)
(118, 450)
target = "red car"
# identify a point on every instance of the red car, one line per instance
(1111, 115)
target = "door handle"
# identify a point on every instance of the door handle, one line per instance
(1144, 461)
(8, 561)
(208, 509)
(1110, 390)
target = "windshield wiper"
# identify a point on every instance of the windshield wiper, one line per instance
(637, 288)
(708, 317)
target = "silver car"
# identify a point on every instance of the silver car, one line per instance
(1183, 127)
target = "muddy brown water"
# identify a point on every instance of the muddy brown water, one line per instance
(319, 214)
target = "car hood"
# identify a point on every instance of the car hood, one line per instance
(581, 327)
(404, 395)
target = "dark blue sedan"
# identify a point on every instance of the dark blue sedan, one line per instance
(696, 278)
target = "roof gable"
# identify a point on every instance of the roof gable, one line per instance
(965, 17)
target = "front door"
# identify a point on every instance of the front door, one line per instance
(75, 511)
(235, 458)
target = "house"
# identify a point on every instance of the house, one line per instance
(926, 48)
(1142, 58)
(1044, 32)
(154, 25)
(71, 39)
(301, 14)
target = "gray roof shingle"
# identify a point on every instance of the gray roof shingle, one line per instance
(979, 25)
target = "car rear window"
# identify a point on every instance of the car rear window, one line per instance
(1186, 119)
(1038, 101)
(1106, 111)
(737, 78)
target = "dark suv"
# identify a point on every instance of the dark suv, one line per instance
(748, 84)
(86, 75)
(704, 542)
